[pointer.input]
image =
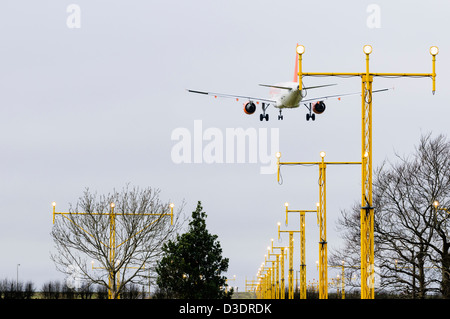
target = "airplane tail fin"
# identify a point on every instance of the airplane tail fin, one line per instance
(296, 68)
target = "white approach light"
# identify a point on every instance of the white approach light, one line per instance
(367, 49)
(300, 49)
(434, 50)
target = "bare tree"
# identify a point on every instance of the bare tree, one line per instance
(51, 290)
(12, 289)
(433, 169)
(85, 291)
(411, 245)
(95, 246)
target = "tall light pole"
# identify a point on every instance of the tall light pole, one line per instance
(322, 216)
(283, 255)
(291, 259)
(264, 281)
(250, 285)
(112, 250)
(367, 210)
(302, 245)
(228, 280)
(276, 271)
(17, 277)
(271, 275)
(112, 236)
(341, 278)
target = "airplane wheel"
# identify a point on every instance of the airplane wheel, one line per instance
(267, 117)
(313, 116)
(307, 117)
(261, 117)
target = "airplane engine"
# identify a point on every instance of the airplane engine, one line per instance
(318, 107)
(249, 108)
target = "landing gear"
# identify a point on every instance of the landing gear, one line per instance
(311, 115)
(264, 115)
(280, 117)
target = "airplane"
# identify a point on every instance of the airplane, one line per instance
(285, 95)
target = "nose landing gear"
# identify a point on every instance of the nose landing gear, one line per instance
(280, 117)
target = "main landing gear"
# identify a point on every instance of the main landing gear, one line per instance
(311, 115)
(264, 115)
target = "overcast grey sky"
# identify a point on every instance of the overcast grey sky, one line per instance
(95, 106)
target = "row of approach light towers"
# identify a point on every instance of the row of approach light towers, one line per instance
(367, 209)
(270, 283)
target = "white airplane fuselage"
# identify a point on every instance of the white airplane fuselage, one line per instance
(286, 98)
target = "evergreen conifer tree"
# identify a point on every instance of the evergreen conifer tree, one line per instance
(192, 265)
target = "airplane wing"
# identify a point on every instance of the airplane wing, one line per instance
(339, 96)
(237, 97)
